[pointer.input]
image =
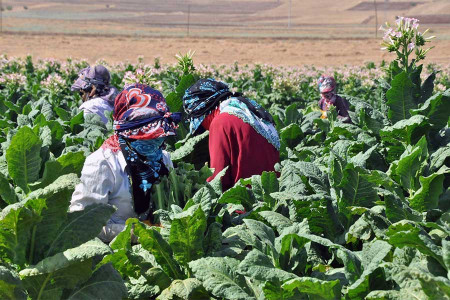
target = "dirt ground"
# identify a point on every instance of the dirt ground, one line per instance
(287, 52)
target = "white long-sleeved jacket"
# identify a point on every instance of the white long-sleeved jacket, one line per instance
(105, 180)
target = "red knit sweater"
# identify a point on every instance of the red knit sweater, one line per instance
(234, 143)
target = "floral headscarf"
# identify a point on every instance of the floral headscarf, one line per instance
(142, 121)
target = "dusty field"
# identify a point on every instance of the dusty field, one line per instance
(320, 32)
(292, 52)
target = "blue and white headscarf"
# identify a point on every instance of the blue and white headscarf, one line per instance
(206, 95)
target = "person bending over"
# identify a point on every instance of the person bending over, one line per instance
(121, 173)
(97, 93)
(327, 89)
(242, 134)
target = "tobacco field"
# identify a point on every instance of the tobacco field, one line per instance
(356, 211)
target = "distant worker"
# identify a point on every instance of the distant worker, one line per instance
(123, 171)
(98, 95)
(329, 97)
(242, 135)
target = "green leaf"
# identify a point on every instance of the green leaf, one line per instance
(407, 131)
(259, 266)
(316, 288)
(62, 113)
(400, 98)
(104, 283)
(407, 233)
(436, 108)
(406, 168)
(276, 220)
(80, 227)
(16, 223)
(10, 285)
(54, 217)
(219, 276)
(356, 189)
(7, 193)
(23, 157)
(175, 99)
(188, 148)
(186, 236)
(65, 270)
(76, 121)
(434, 287)
(189, 289)
(274, 291)
(261, 230)
(291, 135)
(372, 255)
(236, 195)
(213, 239)
(427, 196)
(152, 241)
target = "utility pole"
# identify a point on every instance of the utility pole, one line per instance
(376, 18)
(290, 12)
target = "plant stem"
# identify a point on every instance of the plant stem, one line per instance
(33, 239)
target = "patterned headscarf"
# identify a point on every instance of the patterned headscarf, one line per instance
(99, 77)
(202, 98)
(141, 113)
(326, 84)
(206, 95)
(142, 121)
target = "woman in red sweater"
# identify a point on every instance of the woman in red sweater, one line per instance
(242, 134)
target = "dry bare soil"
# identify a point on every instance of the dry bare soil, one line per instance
(279, 32)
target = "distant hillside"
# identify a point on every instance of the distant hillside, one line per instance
(233, 18)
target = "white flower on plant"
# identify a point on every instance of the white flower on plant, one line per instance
(411, 46)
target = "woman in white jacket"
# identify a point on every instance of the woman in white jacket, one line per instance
(121, 173)
(96, 91)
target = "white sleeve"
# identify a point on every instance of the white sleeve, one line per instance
(166, 160)
(97, 181)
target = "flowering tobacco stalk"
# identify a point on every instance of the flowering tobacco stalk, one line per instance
(405, 39)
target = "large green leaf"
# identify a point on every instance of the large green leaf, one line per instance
(261, 230)
(356, 189)
(71, 162)
(213, 239)
(427, 196)
(65, 270)
(400, 98)
(219, 276)
(372, 278)
(291, 135)
(175, 99)
(407, 131)
(274, 291)
(10, 286)
(407, 233)
(316, 288)
(236, 195)
(405, 170)
(7, 193)
(54, 217)
(436, 108)
(80, 227)
(189, 289)
(276, 220)
(259, 266)
(187, 235)
(104, 283)
(152, 241)
(184, 151)
(23, 157)
(16, 223)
